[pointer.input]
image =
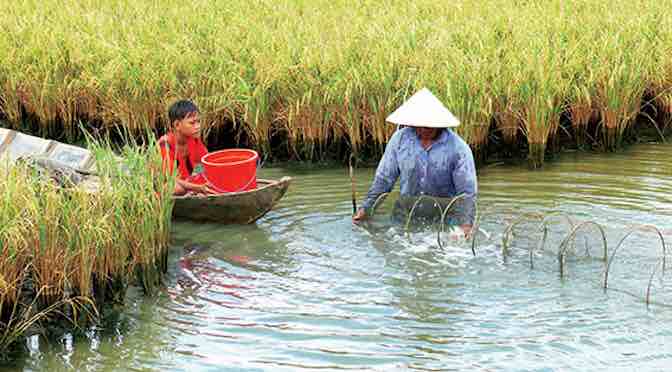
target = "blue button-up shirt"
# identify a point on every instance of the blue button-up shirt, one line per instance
(445, 169)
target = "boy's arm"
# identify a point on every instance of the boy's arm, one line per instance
(195, 187)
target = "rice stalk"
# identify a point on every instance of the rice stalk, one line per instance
(293, 69)
(23, 316)
(582, 111)
(620, 88)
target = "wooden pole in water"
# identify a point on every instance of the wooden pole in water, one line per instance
(352, 185)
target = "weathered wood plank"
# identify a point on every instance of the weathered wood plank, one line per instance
(72, 156)
(6, 137)
(25, 145)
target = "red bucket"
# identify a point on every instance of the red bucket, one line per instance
(231, 170)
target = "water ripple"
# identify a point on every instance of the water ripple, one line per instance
(304, 289)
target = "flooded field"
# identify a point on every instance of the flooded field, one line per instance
(304, 289)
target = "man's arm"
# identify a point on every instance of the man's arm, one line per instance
(385, 178)
(464, 178)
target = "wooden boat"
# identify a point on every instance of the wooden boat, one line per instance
(232, 208)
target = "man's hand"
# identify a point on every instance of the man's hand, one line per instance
(359, 216)
(467, 230)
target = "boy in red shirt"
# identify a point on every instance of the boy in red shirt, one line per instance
(182, 145)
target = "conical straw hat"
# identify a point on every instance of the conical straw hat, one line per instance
(423, 109)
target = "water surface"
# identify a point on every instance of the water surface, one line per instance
(304, 289)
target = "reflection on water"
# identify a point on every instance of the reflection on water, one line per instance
(304, 289)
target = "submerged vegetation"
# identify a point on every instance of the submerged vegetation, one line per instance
(315, 78)
(68, 252)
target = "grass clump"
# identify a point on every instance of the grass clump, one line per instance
(67, 252)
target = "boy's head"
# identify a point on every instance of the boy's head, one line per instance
(184, 118)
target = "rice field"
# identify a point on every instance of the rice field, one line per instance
(66, 253)
(301, 77)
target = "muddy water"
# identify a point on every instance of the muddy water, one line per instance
(304, 289)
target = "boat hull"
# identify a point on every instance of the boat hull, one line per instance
(232, 208)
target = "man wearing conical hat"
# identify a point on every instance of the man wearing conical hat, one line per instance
(427, 157)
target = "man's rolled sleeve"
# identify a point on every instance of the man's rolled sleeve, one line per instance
(464, 178)
(386, 173)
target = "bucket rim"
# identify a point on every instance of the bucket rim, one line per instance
(253, 158)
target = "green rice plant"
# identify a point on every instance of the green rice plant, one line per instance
(507, 121)
(582, 112)
(24, 315)
(502, 78)
(51, 261)
(579, 71)
(541, 118)
(65, 252)
(111, 272)
(539, 99)
(471, 101)
(14, 241)
(11, 278)
(657, 35)
(64, 228)
(308, 76)
(84, 210)
(140, 209)
(620, 87)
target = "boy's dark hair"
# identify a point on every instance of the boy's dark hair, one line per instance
(181, 109)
